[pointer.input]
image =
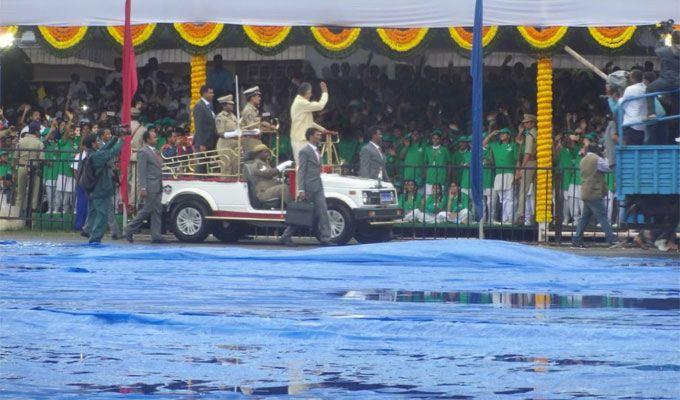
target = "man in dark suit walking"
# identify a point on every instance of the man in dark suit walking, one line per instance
(149, 171)
(310, 188)
(372, 159)
(205, 136)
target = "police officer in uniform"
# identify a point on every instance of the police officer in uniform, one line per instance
(227, 146)
(251, 119)
(29, 148)
(264, 177)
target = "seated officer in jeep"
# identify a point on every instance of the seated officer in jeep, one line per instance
(264, 177)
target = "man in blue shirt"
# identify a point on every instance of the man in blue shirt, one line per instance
(219, 78)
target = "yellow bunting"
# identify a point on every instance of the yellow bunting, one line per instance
(267, 36)
(199, 35)
(63, 37)
(463, 36)
(612, 37)
(335, 40)
(402, 40)
(542, 38)
(140, 33)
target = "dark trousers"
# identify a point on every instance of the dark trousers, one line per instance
(320, 217)
(633, 137)
(594, 208)
(82, 204)
(152, 211)
(99, 214)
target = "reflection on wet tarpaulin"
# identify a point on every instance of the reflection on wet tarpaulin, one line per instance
(446, 319)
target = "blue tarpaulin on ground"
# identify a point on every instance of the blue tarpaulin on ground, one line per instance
(420, 319)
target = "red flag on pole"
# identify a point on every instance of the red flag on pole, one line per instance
(129, 88)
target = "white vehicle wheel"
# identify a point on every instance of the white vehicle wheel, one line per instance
(337, 221)
(342, 224)
(189, 223)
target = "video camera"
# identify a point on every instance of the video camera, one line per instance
(665, 27)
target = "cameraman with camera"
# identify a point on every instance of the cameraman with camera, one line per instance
(669, 57)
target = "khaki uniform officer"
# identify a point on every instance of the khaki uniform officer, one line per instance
(227, 147)
(264, 177)
(251, 120)
(526, 176)
(29, 148)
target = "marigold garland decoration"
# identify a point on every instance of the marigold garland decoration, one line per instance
(9, 29)
(63, 37)
(402, 40)
(199, 35)
(335, 41)
(267, 39)
(544, 142)
(198, 79)
(140, 33)
(542, 38)
(612, 37)
(463, 36)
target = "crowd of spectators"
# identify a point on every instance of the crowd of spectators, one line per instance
(423, 114)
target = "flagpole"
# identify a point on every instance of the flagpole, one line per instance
(476, 159)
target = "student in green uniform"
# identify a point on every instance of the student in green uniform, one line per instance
(568, 161)
(435, 202)
(68, 147)
(50, 171)
(413, 156)
(411, 201)
(457, 207)
(5, 178)
(437, 160)
(348, 148)
(461, 162)
(504, 153)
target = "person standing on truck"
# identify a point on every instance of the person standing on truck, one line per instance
(669, 78)
(227, 146)
(634, 110)
(205, 137)
(593, 190)
(302, 117)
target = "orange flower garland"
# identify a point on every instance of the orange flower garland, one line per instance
(544, 141)
(198, 79)
(463, 36)
(140, 33)
(335, 40)
(267, 37)
(199, 35)
(402, 40)
(10, 29)
(542, 38)
(63, 37)
(612, 37)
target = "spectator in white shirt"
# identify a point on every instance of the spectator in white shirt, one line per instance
(634, 111)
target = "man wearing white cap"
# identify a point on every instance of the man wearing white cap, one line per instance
(250, 118)
(227, 146)
(302, 117)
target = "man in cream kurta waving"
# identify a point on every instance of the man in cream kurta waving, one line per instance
(301, 116)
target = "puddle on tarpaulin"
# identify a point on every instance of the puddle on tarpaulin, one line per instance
(513, 299)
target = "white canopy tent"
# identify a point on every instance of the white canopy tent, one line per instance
(365, 13)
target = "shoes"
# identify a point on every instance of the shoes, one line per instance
(84, 234)
(95, 241)
(578, 245)
(129, 237)
(287, 241)
(159, 241)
